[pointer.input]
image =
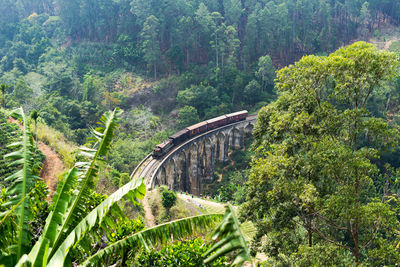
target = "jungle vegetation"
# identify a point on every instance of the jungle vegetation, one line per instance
(320, 182)
(320, 189)
(167, 64)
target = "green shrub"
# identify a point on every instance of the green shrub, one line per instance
(168, 199)
(186, 253)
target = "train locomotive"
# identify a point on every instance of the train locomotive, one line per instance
(196, 129)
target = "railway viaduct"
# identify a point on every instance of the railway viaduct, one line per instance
(190, 165)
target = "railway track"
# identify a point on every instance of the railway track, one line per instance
(149, 165)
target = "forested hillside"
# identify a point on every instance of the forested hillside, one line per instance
(157, 60)
(320, 182)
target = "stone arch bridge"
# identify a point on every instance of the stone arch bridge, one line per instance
(191, 164)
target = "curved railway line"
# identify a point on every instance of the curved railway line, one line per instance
(149, 166)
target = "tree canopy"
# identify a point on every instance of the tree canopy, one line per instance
(316, 178)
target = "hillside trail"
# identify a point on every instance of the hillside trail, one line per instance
(148, 214)
(384, 45)
(388, 43)
(218, 207)
(52, 165)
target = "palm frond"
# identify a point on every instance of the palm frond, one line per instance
(22, 181)
(69, 201)
(88, 170)
(231, 239)
(61, 199)
(155, 235)
(132, 190)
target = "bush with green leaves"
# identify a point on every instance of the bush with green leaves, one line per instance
(183, 253)
(187, 116)
(168, 198)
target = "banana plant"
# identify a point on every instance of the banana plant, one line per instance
(69, 201)
(69, 224)
(22, 183)
(159, 234)
(230, 239)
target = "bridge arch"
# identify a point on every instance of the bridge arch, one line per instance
(235, 138)
(193, 169)
(209, 159)
(221, 140)
(248, 129)
(181, 168)
(170, 179)
(160, 178)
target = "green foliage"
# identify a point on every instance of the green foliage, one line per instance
(234, 189)
(125, 228)
(151, 49)
(395, 46)
(10, 134)
(23, 208)
(168, 199)
(200, 97)
(64, 226)
(231, 239)
(266, 72)
(187, 116)
(159, 234)
(22, 183)
(3, 88)
(185, 253)
(22, 94)
(316, 168)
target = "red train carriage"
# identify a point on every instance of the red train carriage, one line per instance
(198, 128)
(237, 116)
(216, 122)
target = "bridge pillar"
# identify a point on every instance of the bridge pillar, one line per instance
(160, 178)
(209, 160)
(221, 140)
(242, 134)
(193, 170)
(181, 172)
(235, 139)
(170, 174)
(226, 147)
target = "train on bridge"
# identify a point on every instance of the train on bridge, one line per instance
(196, 129)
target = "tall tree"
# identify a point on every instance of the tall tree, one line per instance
(150, 44)
(3, 88)
(314, 171)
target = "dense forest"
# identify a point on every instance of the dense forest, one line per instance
(157, 60)
(327, 127)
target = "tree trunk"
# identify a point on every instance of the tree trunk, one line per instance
(216, 49)
(309, 230)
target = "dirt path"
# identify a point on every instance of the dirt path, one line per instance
(384, 45)
(52, 166)
(388, 43)
(219, 207)
(148, 214)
